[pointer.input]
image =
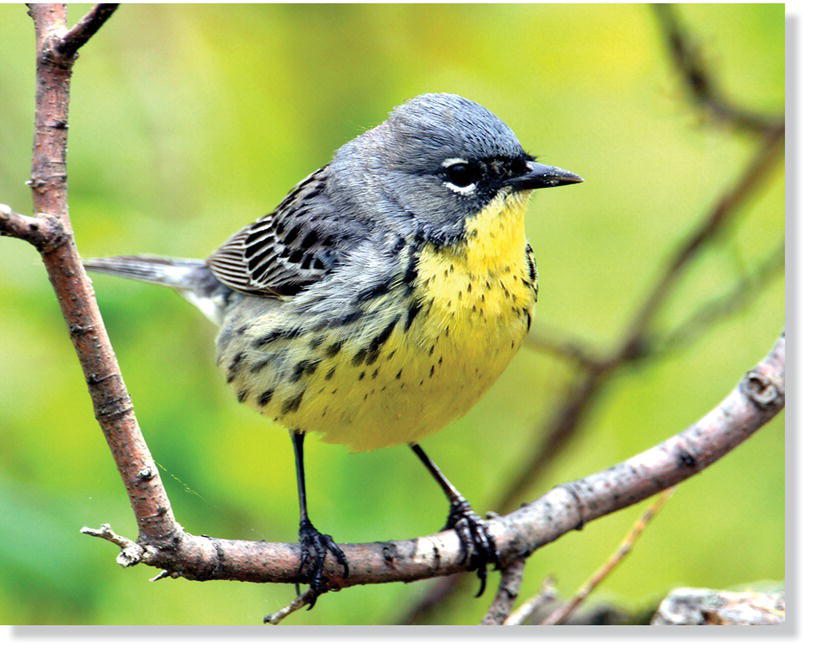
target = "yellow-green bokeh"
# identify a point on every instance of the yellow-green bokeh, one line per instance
(187, 122)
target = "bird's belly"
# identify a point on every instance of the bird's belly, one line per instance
(423, 379)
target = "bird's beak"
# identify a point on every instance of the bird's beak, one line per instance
(540, 176)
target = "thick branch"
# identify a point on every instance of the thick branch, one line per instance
(755, 400)
(51, 233)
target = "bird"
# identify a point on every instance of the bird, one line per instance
(380, 299)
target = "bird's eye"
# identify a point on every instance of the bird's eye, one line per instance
(519, 166)
(462, 174)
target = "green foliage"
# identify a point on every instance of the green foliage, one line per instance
(187, 122)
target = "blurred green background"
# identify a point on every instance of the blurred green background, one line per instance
(187, 122)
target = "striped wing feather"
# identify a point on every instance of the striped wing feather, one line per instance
(283, 252)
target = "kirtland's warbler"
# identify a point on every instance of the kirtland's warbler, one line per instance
(382, 297)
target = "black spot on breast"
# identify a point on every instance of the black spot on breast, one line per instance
(329, 374)
(316, 342)
(333, 349)
(292, 403)
(241, 396)
(263, 399)
(359, 357)
(304, 367)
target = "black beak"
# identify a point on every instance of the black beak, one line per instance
(540, 176)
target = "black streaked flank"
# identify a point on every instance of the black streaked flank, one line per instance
(375, 291)
(276, 335)
(242, 395)
(292, 404)
(304, 367)
(259, 365)
(374, 349)
(333, 349)
(414, 308)
(263, 399)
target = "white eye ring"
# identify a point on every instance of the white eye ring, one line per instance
(453, 161)
(465, 191)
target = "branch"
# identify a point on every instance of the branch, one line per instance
(634, 343)
(752, 403)
(700, 84)
(561, 614)
(50, 231)
(45, 233)
(507, 592)
(717, 308)
(83, 30)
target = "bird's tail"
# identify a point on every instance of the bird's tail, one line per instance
(190, 277)
(168, 271)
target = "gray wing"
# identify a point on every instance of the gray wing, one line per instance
(285, 251)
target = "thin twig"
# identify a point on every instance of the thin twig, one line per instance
(297, 603)
(44, 232)
(566, 348)
(698, 79)
(84, 29)
(507, 592)
(545, 596)
(719, 307)
(561, 614)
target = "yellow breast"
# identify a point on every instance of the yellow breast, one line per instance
(476, 304)
(416, 357)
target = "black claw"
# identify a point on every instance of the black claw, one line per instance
(314, 549)
(478, 548)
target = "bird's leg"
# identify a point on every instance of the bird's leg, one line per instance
(313, 544)
(479, 548)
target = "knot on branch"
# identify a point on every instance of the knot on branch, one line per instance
(45, 232)
(762, 390)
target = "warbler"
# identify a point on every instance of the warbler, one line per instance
(381, 298)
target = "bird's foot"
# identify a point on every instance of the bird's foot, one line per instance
(314, 549)
(478, 547)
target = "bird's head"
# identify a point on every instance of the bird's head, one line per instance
(439, 161)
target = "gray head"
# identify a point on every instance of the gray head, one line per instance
(438, 160)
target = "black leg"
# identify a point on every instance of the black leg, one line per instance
(314, 545)
(479, 548)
